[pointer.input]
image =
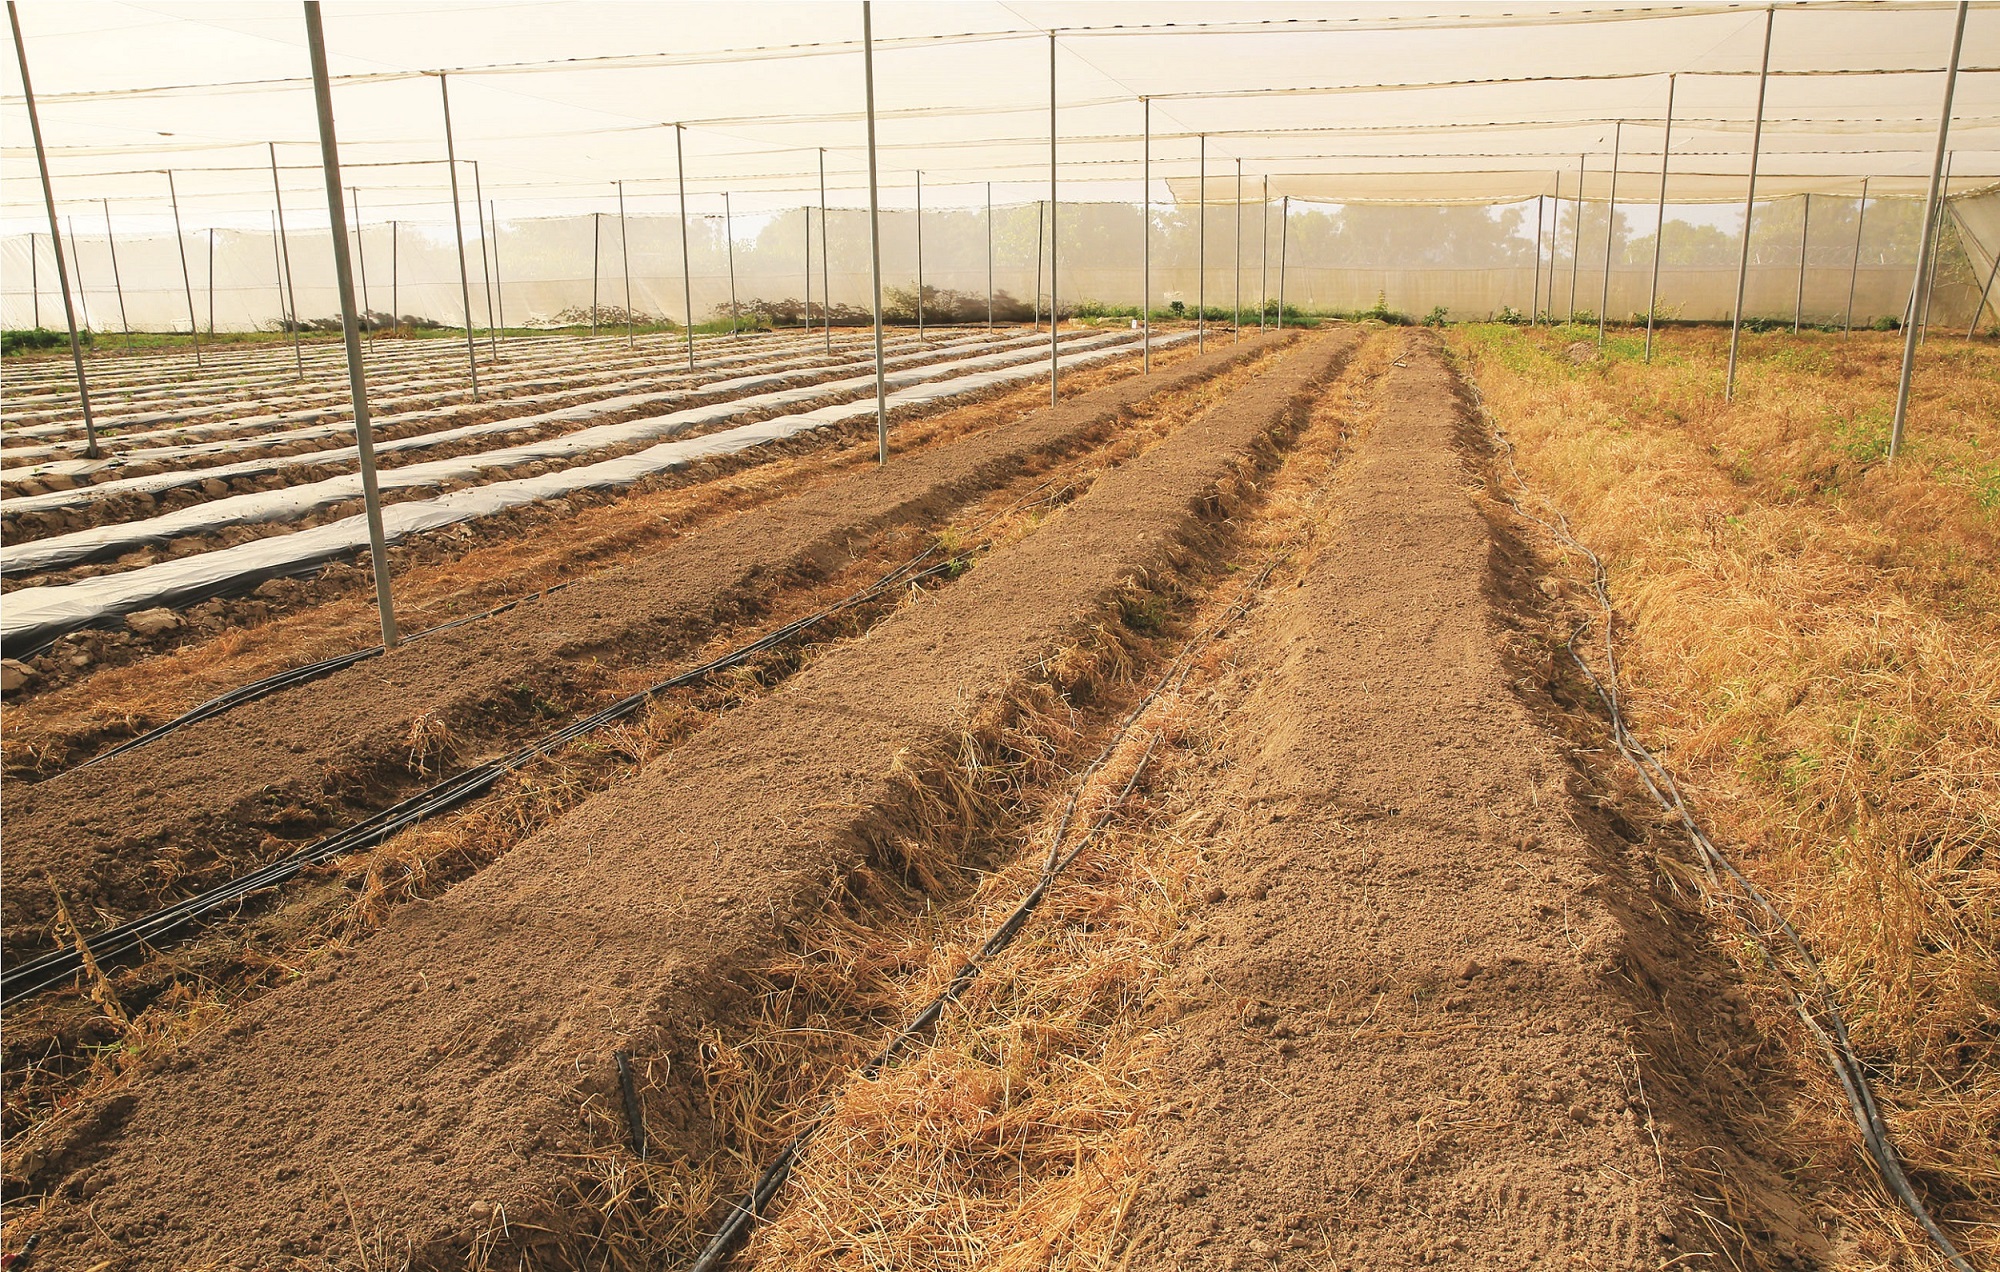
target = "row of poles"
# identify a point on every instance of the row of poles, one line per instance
(344, 273)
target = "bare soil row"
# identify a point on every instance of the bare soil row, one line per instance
(447, 1070)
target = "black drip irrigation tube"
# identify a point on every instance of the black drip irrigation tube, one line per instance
(1815, 1002)
(243, 695)
(744, 1214)
(48, 971)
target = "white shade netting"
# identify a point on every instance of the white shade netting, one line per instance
(1457, 121)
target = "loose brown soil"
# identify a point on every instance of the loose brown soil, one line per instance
(125, 835)
(449, 1072)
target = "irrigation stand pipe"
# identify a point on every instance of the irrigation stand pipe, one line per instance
(1749, 210)
(1854, 266)
(1576, 237)
(187, 282)
(1610, 228)
(360, 250)
(118, 284)
(826, 264)
(687, 278)
(1055, 243)
(458, 229)
(625, 257)
(593, 273)
(1923, 249)
(1146, 237)
(920, 254)
(285, 259)
(1284, 244)
(729, 245)
(91, 449)
(1660, 219)
(875, 234)
(499, 288)
(1799, 298)
(485, 267)
(1201, 246)
(350, 326)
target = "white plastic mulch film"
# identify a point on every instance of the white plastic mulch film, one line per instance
(1421, 148)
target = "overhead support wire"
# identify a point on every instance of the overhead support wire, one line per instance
(1924, 248)
(91, 449)
(458, 229)
(350, 327)
(1749, 212)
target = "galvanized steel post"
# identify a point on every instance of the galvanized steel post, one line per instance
(117, 283)
(350, 325)
(625, 258)
(1146, 238)
(875, 235)
(687, 279)
(1660, 219)
(1749, 210)
(1923, 250)
(1799, 299)
(187, 280)
(729, 242)
(1610, 229)
(458, 228)
(1854, 266)
(485, 267)
(285, 256)
(1055, 242)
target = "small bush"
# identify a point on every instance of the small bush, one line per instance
(1511, 316)
(1887, 322)
(1436, 317)
(20, 339)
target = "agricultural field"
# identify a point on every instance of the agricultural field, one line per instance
(1180, 826)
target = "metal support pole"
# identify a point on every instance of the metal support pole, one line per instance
(278, 273)
(485, 267)
(687, 278)
(211, 282)
(625, 258)
(1799, 298)
(806, 314)
(1055, 243)
(187, 280)
(499, 288)
(1576, 237)
(1660, 219)
(395, 276)
(920, 255)
(1201, 247)
(1555, 243)
(1930, 272)
(875, 235)
(1923, 249)
(1535, 295)
(1610, 229)
(1236, 321)
(826, 265)
(76, 259)
(989, 256)
(117, 283)
(1854, 267)
(1284, 245)
(1984, 292)
(357, 380)
(1749, 210)
(1264, 256)
(729, 242)
(35, 278)
(360, 249)
(1146, 238)
(1036, 310)
(285, 260)
(90, 447)
(594, 252)
(458, 228)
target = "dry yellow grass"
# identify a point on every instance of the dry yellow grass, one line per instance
(1812, 639)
